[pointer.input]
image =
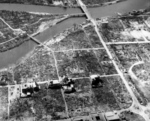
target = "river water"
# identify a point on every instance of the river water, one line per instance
(12, 56)
(121, 7)
(49, 33)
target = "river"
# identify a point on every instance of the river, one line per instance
(49, 33)
(12, 56)
(121, 7)
(109, 10)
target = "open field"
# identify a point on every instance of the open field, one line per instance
(82, 101)
(6, 78)
(74, 39)
(130, 116)
(83, 63)
(119, 90)
(28, 22)
(3, 102)
(37, 67)
(105, 99)
(93, 37)
(43, 2)
(45, 104)
(5, 32)
(123, 30)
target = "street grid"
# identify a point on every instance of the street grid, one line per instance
(119, 74)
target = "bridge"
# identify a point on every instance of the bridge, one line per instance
(85, 10)
(35, 40)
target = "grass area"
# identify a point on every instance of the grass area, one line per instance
(81, 102)
(130, 54)
(126, 54)
(130, 116)
(42, 105)
(6, 78)
(42, 2)
(75, 39)
(78, 63)
(5, 32)
(113, 31)
(93, 2)
(26, 21)
(121, 93)
(105, 99)
(105, 63)
(3, 102)
(39, 67)
(93, 37)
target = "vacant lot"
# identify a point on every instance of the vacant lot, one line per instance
(119, 90)
(3, 102)
(105, 98)
(44, 104)
(93, 37)
(76, 39)
(81, 102)
(78, 63)
(39, 66)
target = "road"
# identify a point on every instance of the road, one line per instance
(131, 72)
(136, 106)
(121, 43)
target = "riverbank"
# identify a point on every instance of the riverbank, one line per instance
(68, 5)
(105, 4)
(13, 56)
(46, 26)
(43, 27)
(13, 43)
(66, 32)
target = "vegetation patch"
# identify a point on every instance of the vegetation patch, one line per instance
(6, 78)
(121, 93)
(78, 63)
(75, 39)
(81, 102)
(5, 32)
(105, 99)
(93, 37)
(44, 105)
(28, 22)
(3, 103)
(130, 116)
(39, 66)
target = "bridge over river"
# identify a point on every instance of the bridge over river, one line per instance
(12, 56)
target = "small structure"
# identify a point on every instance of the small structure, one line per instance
(68, 85)
(111, 116)
(28, 89)
(55, 84)
(96, 117)
(96, 81)
(65, 83)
